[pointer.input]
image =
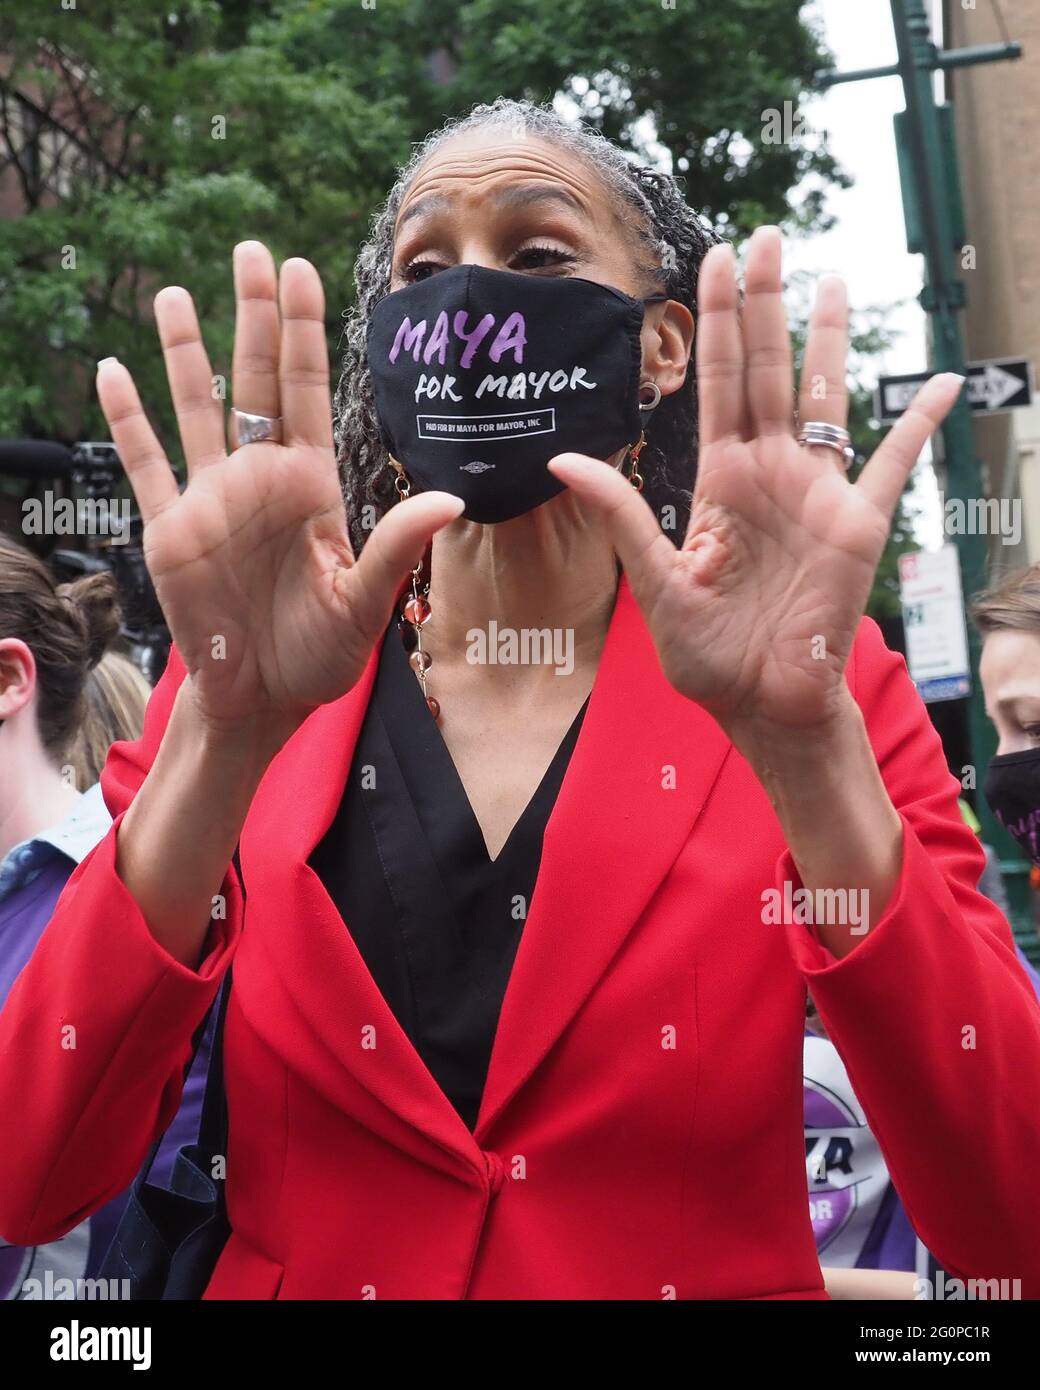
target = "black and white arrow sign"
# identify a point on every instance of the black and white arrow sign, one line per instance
(1003, 383)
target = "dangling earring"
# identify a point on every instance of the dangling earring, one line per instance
(634, 475)
(646, 409)
(415, 611)
(402, 482)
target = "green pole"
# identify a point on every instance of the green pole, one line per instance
(943, 298)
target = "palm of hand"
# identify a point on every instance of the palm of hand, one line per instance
(247, 565)
(761, 604)
(754, 617)
(252, 564)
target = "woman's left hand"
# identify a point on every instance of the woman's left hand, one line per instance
(755, 615)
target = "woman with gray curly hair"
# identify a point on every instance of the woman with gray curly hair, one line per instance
(534, 894)
(667, 241)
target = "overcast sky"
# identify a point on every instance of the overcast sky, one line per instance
(868, 242)
(867, 245)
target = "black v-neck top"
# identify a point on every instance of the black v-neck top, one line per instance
(437, 922)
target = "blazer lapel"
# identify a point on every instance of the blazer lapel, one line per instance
(295, 942)
(615, 831)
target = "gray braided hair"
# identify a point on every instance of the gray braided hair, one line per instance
(672, 241)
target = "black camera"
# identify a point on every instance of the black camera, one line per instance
(69, 512)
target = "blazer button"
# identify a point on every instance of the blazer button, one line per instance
(496, 1171)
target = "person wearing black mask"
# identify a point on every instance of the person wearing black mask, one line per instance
(1008, 616)
(531, 902)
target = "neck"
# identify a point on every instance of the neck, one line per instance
(551, 568)
(33, 793)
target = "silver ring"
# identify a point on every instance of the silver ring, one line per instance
(820, 433)
(250, 429)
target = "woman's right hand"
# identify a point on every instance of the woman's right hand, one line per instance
(255, 550)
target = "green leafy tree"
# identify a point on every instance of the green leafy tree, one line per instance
(163, 135)
(144, 140)
(714, 89)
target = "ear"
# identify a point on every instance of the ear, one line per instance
(667, 341)
(17, 676)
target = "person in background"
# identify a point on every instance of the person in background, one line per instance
(1008, 617)
(115, 697)
(51, 636)
(65, 697)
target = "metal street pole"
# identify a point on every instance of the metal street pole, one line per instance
(932, 203)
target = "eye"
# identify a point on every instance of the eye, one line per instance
(1032, 732)
(419, 269)
(541, 256)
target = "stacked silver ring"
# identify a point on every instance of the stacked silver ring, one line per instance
(818, 432)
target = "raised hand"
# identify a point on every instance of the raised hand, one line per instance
(755, 616)
(251, 562)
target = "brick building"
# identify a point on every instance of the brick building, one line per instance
(997, 115)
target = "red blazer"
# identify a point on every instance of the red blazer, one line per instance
(641, 1131)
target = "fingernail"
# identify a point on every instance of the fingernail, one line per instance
(103, 360)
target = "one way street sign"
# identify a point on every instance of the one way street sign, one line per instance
(1002, 383)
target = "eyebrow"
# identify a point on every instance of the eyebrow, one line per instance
(520, 196)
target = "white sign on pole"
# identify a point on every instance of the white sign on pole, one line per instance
(994, 387)
(933, 615)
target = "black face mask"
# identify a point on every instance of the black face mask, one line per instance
(481, 376)
(1012, 788)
